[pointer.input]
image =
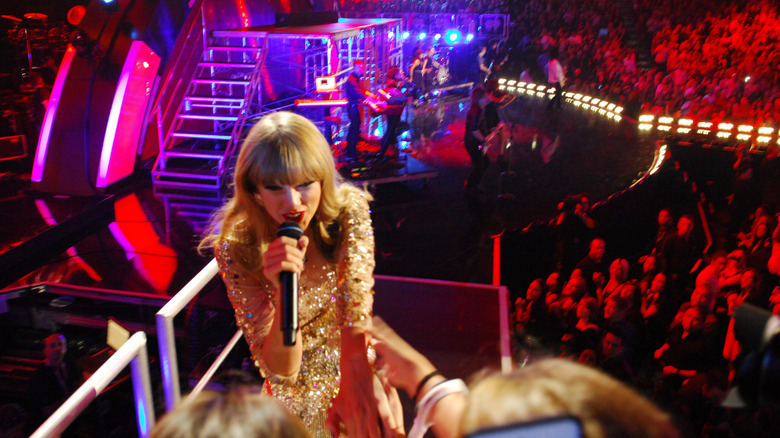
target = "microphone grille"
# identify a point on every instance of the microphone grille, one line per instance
(290, 229)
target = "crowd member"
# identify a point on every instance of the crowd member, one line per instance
(592, 266)
(52, 382)
(688, 350)
(285, 172)
(681, 252)
(238, 413)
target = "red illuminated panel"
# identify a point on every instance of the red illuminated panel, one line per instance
(126, 119)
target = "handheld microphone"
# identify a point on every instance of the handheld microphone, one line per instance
(289, 283)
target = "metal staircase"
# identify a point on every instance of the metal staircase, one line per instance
(220, 95)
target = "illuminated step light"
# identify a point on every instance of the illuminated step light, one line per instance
(725, 126)
(763, 139)
(685, 122)
(619, 109)
(743, 137)
(618, 118)
(586, 99)
(703, 131)
(645, 126)
(578, 96)
(502, 81)
(521, 84)
(646, 118)
(531, 85)
(511, 82)
(595, 101)
(704, 124)
(586, 105)
(665, 120)
(745, 128)
(611, 106)
(541, 88)
(664, 128)
(765, 130)
(603, 103)
(683, 130)
(723, 134)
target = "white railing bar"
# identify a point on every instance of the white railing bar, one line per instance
(132, 352)
(167, 338)
(217, 363)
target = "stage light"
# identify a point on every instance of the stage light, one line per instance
(453, 36)
(110, 5)
(725, 126)
(422, 36)
(405, 35)
(744, 128)
(766, 130)
(685, 122)
(390, 35)
(666, 120)
(469, 37)
(437, 37)
(646, 118)
(763, 139)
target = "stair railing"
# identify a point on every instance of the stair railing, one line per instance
(184, 58)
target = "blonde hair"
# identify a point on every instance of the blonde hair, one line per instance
(554, 387)
(282, 148)
(235, 414)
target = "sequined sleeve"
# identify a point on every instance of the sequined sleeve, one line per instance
(252, 300)
(356, 263)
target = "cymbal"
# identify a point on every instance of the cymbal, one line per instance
(76, 14)
(36, 16)
(11, 17)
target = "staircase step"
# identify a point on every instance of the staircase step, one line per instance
(196, 116)
(208, 195)
(213, 99)
(210, 64)
(233, 48)
(207, 154)
(201, 134)
(218, 81)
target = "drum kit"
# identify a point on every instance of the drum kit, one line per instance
(34, 36)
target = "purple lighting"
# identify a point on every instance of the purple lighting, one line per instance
(127, 116)
(51, 113)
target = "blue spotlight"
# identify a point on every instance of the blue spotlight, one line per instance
(437, 37)
(422, 36)
(405, 35)
(469, 37)
(453, 36)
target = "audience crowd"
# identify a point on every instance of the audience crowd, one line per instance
(709, 61)
(661, 321)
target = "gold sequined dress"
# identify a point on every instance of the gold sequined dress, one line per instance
(331, 296)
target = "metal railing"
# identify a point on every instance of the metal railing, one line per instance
(167, 338)
(133, 352)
